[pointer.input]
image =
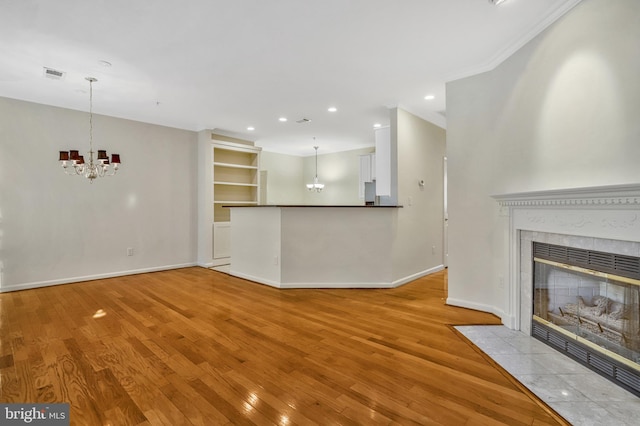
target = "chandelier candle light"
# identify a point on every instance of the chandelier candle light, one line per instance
(315, 186)
(96, 168)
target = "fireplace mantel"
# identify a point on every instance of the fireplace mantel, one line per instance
(619, 195)
(585, 217)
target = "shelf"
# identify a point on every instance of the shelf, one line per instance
(236, 202)
(236, 184)
(235, 157)
(234, 166)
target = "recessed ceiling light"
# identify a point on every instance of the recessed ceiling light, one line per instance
(332, 109)
(430, 97)
(377, 125)
(283, 119)
(251, 128)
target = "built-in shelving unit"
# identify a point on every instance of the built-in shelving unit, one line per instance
(228, 175)
(236, 181)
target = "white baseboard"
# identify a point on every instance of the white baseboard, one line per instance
(38, 284)
(255, 279)
(221, 261)
(476, 306)
(336, 285)
(413, 277)
(394, 284)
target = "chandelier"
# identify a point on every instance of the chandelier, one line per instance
(73, 163)
(315, 186)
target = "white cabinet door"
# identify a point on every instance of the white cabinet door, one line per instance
(221, 240)
(383, 161)
(365, 173)
(373, 166)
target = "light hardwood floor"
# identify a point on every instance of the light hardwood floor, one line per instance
(195, 346)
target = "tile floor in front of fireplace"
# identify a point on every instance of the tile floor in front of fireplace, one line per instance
(576, 393)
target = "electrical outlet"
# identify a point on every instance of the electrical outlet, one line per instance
(129, 251)
(433, 249)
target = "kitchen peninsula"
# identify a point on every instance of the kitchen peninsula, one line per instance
(302, 246)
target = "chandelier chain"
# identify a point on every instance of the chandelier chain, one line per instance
(91, 117)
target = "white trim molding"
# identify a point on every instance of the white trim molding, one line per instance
(394, 284)
(598, 196)
(515, 45)
(70, 280)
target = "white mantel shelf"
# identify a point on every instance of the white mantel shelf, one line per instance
(620, 195)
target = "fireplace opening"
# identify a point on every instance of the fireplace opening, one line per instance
(587, 305)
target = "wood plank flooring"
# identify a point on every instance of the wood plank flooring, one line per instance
(197, 347)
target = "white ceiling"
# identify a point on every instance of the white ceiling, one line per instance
(215, 64)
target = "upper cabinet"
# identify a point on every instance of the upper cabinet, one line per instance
(367, 171)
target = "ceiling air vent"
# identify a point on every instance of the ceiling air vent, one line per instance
(303, 120)
(54, 74)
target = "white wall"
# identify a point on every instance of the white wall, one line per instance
(56, 228)
(284, 178)
(340, 173)
(420, 153)
(561, 112)
(288, 175)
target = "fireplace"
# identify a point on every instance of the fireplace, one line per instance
(586, 304)
(584, 308)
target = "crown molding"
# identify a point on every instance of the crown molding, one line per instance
(432, 117)
(517, 44)
(597, 196)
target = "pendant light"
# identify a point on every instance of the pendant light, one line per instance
(315, 186)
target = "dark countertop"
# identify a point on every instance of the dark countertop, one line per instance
(307, 206)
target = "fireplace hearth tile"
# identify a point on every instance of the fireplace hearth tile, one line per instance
(495, 346)
(626, 411)
(551, 388)
(598, 389)
(578, 394)
(519, 363)
(588, 414)
(530, 346)
(557, 363)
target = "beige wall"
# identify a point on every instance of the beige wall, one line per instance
(339, 172)
(561, 112)
(287, 176)
(56, 228)
(284, 174)
(420, 150)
